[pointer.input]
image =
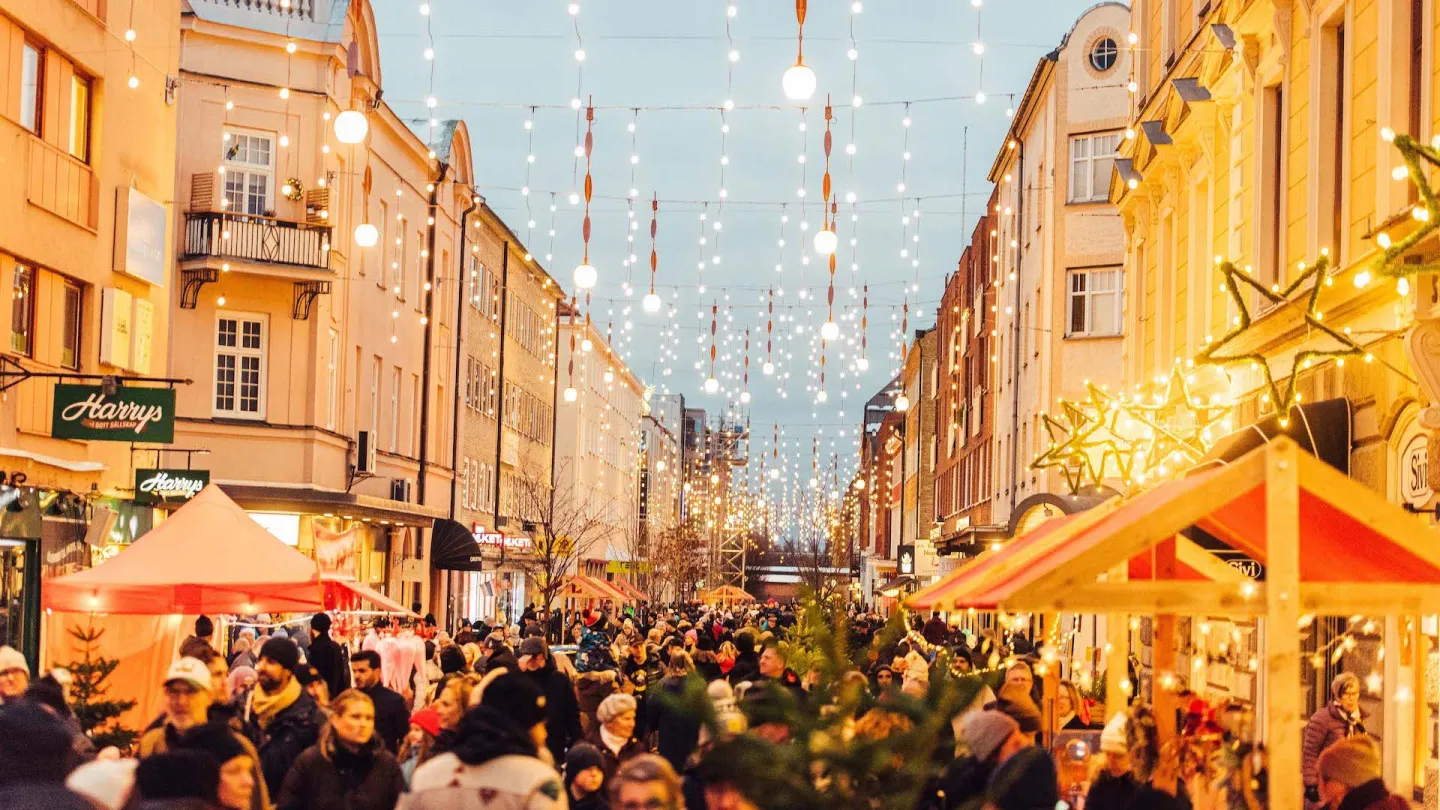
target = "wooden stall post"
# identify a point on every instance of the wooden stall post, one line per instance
(1163, 648)
(1282, 616)
(1117, 656)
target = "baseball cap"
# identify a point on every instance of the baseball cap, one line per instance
(190, 670)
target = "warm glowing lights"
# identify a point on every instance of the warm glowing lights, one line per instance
(351, 126)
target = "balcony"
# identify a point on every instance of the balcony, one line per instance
(256, 239)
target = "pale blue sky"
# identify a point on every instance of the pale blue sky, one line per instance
(494, 59)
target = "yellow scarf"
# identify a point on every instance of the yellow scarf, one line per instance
(265, 706)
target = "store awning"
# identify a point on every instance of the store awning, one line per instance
(453, 547)
(349, 594)
(894, 586)
(1358, 552)
(347, 505)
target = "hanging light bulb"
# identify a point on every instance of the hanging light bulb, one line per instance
(351, 126)
(586, 276)
(366, 235)
(587, 346)
(902, 403)
(825, 241)
(830, 330)
(651, 303)
(863, 363)
(798, 82)
(570, 393)
(745, 397)
(712, 385)
(768, 368)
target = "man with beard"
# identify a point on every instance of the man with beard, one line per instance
(562, 709)
(282, 720)
(392, 714)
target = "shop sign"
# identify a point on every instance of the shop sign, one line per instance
(906, 557)
(498, 540)
(155, 487)
(141, 243)
(1414, 473)
(130, 415)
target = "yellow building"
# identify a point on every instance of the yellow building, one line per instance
(1260, 137)
(87, 146)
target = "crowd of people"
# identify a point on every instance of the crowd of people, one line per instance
(505, 718)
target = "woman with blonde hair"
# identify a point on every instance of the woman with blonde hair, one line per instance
(349, 768)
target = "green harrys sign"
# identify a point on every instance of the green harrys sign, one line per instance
(128, 415)
(157, 487)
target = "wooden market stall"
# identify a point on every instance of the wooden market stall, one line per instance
(1329, 544)
(726, 595)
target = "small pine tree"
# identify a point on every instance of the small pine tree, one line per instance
(97, 714)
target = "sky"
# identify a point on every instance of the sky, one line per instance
(495, 60)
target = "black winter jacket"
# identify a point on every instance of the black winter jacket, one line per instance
(294, 729)
(368, 780)
(329, 660)
(392, 715)
(562, 708)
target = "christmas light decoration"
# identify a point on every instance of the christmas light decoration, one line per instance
(351, 126)
(585, 273)
(799, 81)
(652, 301)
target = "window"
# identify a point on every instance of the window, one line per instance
(383, 223)
(1332, 182)
(80, 117)
(1103, 54)
(375, 371)
(1272, 188)
(332, 381)
(395, 410)
(22, 311)
(239, 365)
(1094, 303)
(70, 339)
(396, 265)
(1091, 159)
(32, 86)
(249, 168)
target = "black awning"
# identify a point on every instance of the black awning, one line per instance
(453, 547)
(1322, 429)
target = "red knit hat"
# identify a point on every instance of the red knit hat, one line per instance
(428, 720)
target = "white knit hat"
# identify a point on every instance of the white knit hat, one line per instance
(10, 658)
(1113, 739)
(107, 783)
(614, 706)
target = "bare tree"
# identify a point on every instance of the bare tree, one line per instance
(814, 563)
(678, 560)
(565, 526)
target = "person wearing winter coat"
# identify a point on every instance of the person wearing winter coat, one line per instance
(585, 786)
(496, 762)
(988, 736)
(349, 768)
(615, 736)
(279, 717)
(747, 661)
(392, 714)
(326, 656)
(1337, 720)
(562, 728)
(677, 734)
(935, 630)
(1349, 777)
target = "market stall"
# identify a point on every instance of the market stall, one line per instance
(1329, 545)
(726, 595)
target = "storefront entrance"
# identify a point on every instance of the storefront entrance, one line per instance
(20, 596)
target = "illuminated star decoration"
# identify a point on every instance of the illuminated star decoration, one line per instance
(1179, 423)
(1427, 213)
(1083, 428)
(1233, 278)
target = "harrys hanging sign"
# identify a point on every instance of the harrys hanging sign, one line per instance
(160, 487)
(128, 415)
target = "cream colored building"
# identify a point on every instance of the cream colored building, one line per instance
(85, 226)
(325, 368)
(597, 462)
(1060, 247)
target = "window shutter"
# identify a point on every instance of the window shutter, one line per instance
(317, 200)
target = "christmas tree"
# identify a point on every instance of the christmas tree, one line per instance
(97, 714)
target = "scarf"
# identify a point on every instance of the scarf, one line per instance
(265, 706)
(612, 741)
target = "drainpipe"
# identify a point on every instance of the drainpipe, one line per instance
(1015, 339)
(429, 330)
(500, 386)
(459, 333)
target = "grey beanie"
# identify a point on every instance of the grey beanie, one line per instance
(985, 731)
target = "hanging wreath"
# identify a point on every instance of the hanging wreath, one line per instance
(293, 189)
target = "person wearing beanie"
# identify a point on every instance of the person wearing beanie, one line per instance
(35, 746)
(241, 784)
(419, 743)
(1349, 777)
(179, 779)
(562, 724)
(189, 707)
(349, 768)
(1027, 780)
(585, 778)
(747, 661)
(14, 675)
(988, 736)
(614, 736)
(498, 753)
(326, 656)
(194, 646)
(278, 713)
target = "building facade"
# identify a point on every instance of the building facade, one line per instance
(964, 401)
(319, 282)
(1059, 282)
(598, 433)
(1263, 139)
(87, 139)
(919, 380)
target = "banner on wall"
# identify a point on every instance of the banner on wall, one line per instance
(336, 552)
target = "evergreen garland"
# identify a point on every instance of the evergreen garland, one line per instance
(97, 714)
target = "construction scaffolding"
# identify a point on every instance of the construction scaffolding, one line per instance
(730, 537)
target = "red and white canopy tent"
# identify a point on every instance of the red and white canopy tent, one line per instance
(1329, 544)
(209, 556)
